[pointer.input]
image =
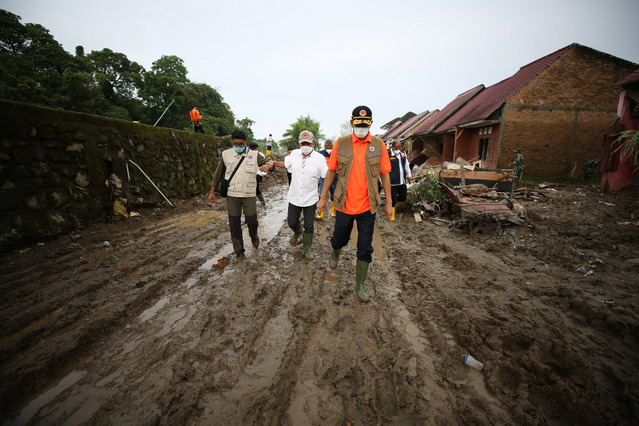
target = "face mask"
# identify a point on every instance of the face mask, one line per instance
(360, 132)
(397, 151)
(306, 150)
(238, 149)
(329, 150)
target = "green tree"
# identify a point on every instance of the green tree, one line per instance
(218, 119)
(245, 125)
(291, 136)
(163, 84)
(119, 80)
(32, 63)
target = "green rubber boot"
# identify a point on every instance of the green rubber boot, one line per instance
(307, 240)
(296, 234)
(332, 262)
(361, 271)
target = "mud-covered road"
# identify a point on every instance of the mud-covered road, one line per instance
(144, 322)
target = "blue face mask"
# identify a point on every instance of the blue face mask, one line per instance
(238, 149)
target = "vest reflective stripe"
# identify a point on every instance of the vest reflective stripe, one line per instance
(372, 164)
(397, 163)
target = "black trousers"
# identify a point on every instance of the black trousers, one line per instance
(398, 193)
(365, 228)
(294, 213)
(197, 127)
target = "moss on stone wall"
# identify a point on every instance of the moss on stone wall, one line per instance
(54, 165)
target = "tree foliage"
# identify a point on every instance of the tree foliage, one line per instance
(291, 136)
(34, 68)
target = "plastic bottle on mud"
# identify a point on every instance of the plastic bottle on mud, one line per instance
(472, 362)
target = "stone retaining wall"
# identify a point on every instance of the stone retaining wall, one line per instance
(54, 165)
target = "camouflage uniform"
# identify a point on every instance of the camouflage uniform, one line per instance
(519, 167)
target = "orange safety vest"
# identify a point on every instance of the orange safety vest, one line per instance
(195, 115)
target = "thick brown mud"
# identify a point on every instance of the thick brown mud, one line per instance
(151, 321)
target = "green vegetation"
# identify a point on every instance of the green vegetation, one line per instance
(629, 146)
(427, 189)
(291, 136)
(35, 69)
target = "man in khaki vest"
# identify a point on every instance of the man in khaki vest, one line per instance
(242, 188)
(360, 159)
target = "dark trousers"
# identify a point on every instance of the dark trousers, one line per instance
(294, 213)
(365, 228)
(197, 127)
(398, 193)
(235, 206)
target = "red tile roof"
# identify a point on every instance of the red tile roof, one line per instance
(633, 77)
(491, 99)
(448, 110)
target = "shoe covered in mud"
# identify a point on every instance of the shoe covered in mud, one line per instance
(361, 271)
(296, 234)
(307, 240)
(239, 254)
(255, 240)
(334, 259)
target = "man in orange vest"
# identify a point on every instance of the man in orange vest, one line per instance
(359, 158)
(196, 118)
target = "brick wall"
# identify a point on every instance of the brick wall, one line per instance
(559, 118)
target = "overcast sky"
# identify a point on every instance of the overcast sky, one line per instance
(274, 61)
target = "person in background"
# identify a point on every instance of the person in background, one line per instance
(518, 166)
(326, 152)
(359, 158)
(261, 176)
(241, 192)
(269, 144)
(307, 167)
(399, 174)
(196, 118)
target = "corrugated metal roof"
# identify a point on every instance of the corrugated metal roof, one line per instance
(394, 122)
(447, 111)
(490, 99)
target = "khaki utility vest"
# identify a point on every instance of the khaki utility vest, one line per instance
(244, 182)
(372, 161)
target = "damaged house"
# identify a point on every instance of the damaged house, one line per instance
(556, 109)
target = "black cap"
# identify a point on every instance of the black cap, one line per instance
(238, 134)
(362, 115)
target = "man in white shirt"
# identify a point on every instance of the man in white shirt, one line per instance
(307, 167)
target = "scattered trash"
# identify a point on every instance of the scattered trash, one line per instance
(508, 231)
(23, 251)
(106, 244)
(608, 204)
(472, 362)
(133, 214)
(607, 302)
(582, 268)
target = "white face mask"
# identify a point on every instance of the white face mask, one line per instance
(360, 132)
(397, 151)
(306, 149)
(329, 150)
